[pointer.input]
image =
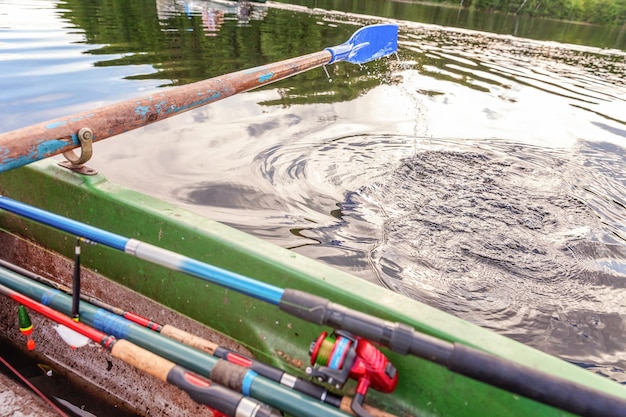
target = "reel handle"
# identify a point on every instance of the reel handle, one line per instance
(357, 401)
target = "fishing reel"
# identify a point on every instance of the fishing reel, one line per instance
(339, 356)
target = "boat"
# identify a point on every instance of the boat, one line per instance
(282, 309)
(239, 8)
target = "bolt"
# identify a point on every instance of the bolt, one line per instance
(85, 133)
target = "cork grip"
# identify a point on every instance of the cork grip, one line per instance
(188, 339)
(142, 359)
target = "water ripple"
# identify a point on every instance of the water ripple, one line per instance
(484, 176)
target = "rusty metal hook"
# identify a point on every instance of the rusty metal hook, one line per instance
(85, 137)
(76, 163)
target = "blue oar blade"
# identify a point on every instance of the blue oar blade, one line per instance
(366, 44)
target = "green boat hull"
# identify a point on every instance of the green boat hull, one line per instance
(424, 388)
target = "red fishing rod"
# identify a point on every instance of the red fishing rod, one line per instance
(275, 374)
(224, 401)
(33, 387)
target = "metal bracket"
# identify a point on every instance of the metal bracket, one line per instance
(76, 163)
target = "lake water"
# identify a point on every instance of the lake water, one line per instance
(481, 173)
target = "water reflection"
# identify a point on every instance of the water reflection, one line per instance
(212, 12)
(479, 173)
(449, 15)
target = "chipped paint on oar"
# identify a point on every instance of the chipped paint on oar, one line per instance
(32, 143)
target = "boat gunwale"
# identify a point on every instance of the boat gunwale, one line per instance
(312, 276)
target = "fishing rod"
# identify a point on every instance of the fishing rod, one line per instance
(23, 146)
(229, 374)
(400, 338)
(200, 389)
(76, 282)
(30, 385)
(278, 375)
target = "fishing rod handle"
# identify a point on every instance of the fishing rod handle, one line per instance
(399, 337)
(278, 375)
(531, 383)
(189, 339)
(200, 389)
(221, 398)
(142, 359)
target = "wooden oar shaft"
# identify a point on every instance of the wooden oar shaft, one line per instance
(23, 146)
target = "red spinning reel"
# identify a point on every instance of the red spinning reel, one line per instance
(340, 356)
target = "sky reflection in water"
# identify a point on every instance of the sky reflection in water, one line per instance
(482, 174)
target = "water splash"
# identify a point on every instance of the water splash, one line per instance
(330, 80)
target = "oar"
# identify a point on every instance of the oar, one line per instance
(201, 390)
(222, 372)
(278, 375)
(400, 338)
(29, 144)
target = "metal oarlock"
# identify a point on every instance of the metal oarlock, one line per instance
(77, 163)
(336, 358)
(85, 137)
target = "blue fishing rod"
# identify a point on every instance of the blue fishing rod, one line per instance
(400, 338)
